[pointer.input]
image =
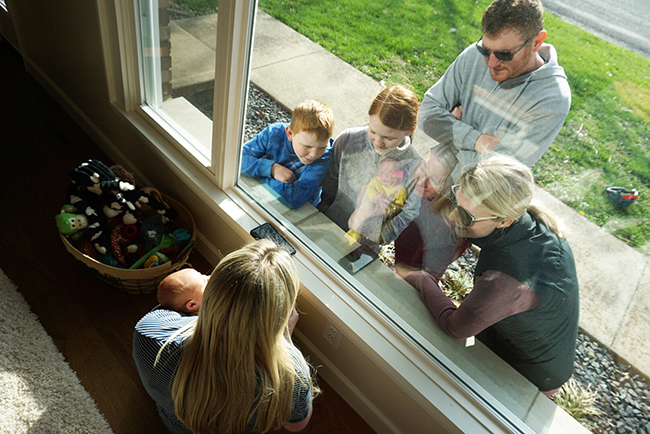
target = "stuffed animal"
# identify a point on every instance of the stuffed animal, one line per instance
(121, 242)
(99, 194)
(71, 223)
(123, 174)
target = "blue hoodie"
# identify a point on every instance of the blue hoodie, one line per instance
(273, 146)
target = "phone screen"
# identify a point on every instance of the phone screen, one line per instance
(267, 231)
(357, 259)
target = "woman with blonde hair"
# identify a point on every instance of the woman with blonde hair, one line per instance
(234, 368)
(525, 301)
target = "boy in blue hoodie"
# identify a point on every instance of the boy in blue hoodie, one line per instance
(293, 158)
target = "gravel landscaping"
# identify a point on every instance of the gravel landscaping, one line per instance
(622, 396)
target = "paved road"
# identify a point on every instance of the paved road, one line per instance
(624, 22)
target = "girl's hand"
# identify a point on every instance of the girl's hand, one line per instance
(381, 202)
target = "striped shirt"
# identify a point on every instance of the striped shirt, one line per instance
(156, 328)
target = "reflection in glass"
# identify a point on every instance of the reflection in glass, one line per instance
(429, 242)
(178, 63)
(278, 60)
(369, 190)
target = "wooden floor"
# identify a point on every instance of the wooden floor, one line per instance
(90, 322)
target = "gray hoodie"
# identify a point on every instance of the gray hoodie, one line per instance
(526, 111)
(354, 164)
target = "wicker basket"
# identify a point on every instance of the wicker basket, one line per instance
(146, 280)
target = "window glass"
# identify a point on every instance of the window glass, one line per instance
(305, 73)
(177, 44)
(289, 69)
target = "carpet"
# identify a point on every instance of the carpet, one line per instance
(39, 392)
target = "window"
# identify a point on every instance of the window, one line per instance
(278, 52)
(202, 118)
(177, 52)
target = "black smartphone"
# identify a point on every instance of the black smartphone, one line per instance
(357, 259)
(267, 231)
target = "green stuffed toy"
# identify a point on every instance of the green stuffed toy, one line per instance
(70, 223)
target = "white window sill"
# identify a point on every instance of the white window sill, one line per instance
(463, 389)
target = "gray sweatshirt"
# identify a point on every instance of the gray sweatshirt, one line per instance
(354, 165)
(526, 111)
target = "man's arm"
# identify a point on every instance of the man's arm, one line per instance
(438, 116)
(532, 135)
(485, 142)
(538, 128)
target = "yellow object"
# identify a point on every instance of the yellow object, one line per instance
(151, 262)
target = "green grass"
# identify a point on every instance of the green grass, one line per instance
(409, 42)
(606, 138)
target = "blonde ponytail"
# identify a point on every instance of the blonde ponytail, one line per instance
(546, 216)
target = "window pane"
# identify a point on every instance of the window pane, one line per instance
(178, 41)
(279, 53)
(179, 87)
(279, 83)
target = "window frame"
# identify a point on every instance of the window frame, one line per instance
(468, 407)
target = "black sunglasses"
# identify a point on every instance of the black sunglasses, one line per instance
(504, 56)
(466, 219)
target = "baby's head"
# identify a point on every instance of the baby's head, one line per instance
(312, 125)
(182, 291)
(389, 172)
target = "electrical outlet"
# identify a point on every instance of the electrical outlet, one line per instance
(332, 334)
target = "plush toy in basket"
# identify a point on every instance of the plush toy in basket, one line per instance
(131, 237)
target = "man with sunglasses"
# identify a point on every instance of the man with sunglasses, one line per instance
(505, 93)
